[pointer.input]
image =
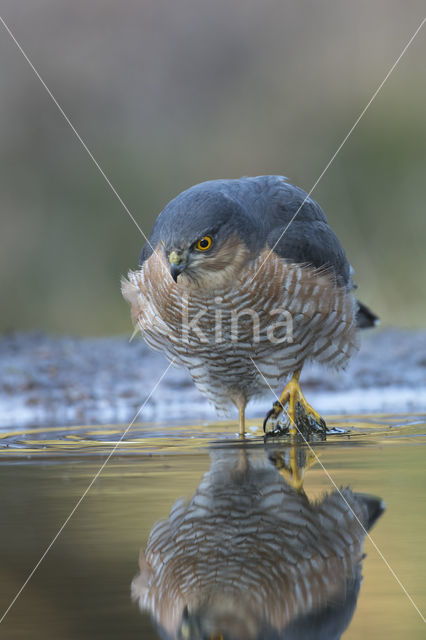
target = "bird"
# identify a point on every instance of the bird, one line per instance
(242, 281)
(249, 557)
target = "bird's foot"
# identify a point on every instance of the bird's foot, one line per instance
(309, 423)
(300, 418)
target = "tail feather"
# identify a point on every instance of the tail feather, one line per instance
(374, 507)
(365, 318)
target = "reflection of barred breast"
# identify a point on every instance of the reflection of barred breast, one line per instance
(250, 549)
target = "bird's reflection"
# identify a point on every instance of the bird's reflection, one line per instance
(250, 557)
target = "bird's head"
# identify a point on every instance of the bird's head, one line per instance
(206, 237)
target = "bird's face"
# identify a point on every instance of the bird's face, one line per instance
(206, 238)
(191, 257)
(211, 261)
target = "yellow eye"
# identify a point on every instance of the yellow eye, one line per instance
(216, 636)
(203, 244)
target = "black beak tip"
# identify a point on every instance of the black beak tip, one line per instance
(175, 270)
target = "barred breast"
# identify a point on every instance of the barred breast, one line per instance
(275, 314)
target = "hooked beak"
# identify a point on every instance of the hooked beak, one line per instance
(178, 262)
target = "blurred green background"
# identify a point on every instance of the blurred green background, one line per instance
(167, 93)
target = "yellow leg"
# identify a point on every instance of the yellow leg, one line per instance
(292, 395)
(242, 420)
(292, 463)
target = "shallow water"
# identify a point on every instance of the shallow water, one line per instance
(82, 587)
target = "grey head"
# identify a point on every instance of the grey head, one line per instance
(230, 217)
(203, 227)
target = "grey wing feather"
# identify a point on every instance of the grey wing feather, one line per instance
(271, 202)
(313, 243)
(296, 226)
(299, 232)
(149, 246)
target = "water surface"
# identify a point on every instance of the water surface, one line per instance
(82, 588)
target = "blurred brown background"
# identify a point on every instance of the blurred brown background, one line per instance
(167, 93)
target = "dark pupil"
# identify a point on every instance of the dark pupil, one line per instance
(204, 243)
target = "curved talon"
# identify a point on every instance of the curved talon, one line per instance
(275, 412)
(323, 426)
(265, 422)
(275, 433)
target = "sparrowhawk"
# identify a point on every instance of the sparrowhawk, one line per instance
(251, 558)
(243, 281)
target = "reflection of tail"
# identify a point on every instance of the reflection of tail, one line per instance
(333, 617)
(365, 318)
(374, 507)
